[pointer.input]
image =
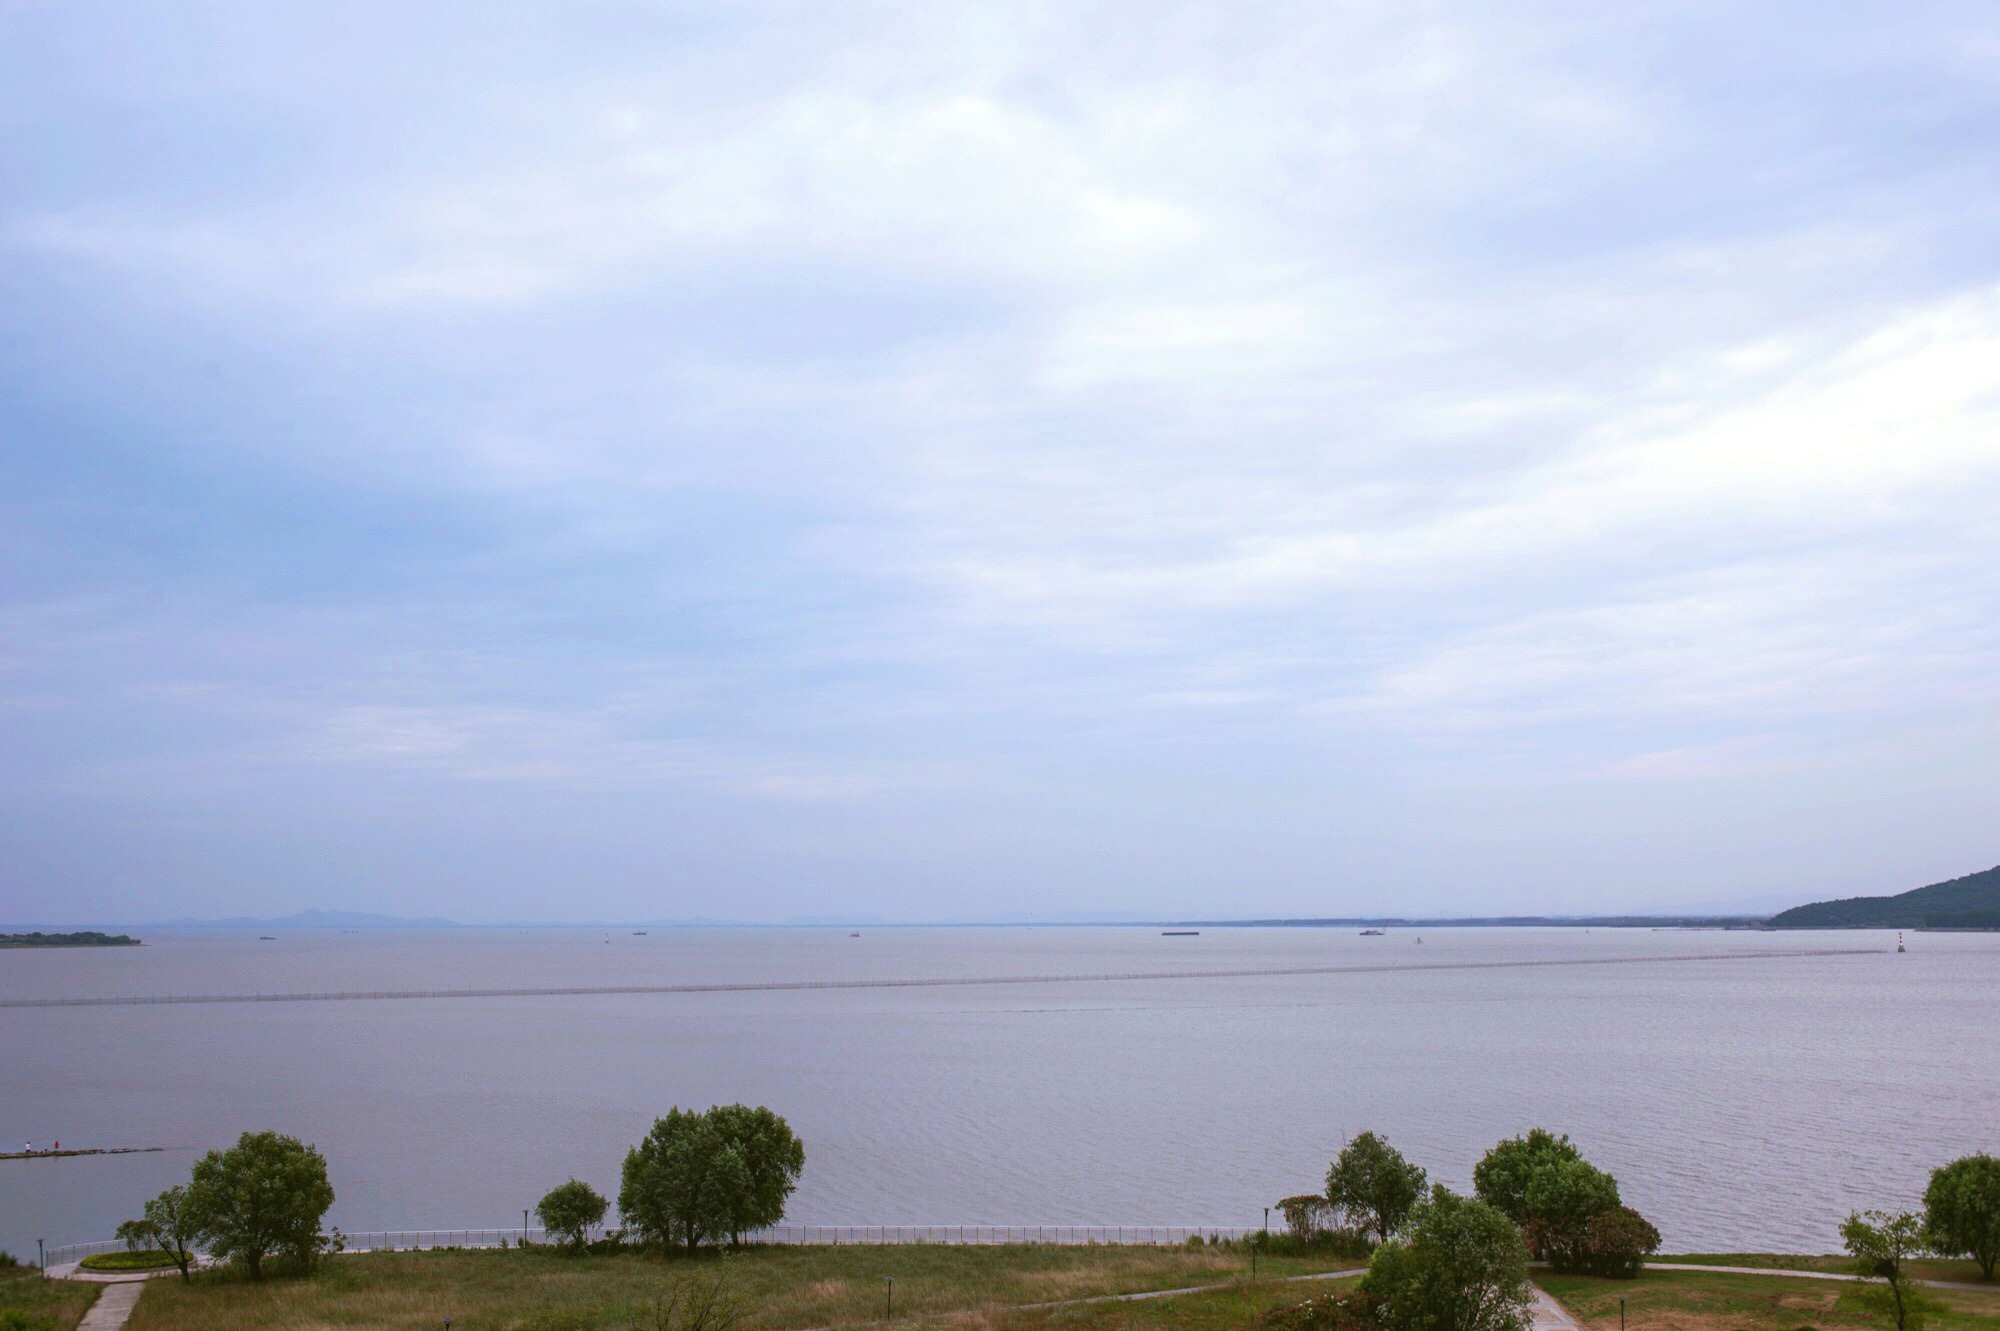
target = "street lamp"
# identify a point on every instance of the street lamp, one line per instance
(1621, 1312)
(41, 1259)
(889, 1303)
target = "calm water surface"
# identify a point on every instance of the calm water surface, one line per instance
(1743, 1103)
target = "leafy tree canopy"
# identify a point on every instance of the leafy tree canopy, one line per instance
(1962, 1210)
(570, 1209)
(1500, 1178)
(1882, 1245)
(1461, 1266)
(265, 1195)
(703, 1176)
(1374, 1185)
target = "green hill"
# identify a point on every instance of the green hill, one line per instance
(1971, 902)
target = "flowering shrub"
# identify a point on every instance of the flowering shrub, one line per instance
(1329, 1312)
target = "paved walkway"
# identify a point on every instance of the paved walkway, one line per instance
(1548, 1315)
(1190, 1289)
(113, 1306)
(1795, 1274)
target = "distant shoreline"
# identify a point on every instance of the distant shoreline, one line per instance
(84, 938)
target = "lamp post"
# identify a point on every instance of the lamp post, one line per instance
(524, 1227)
(889, 1299)
(1621, 1312)
(41, 1259)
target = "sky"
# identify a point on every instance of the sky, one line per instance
(950, 461)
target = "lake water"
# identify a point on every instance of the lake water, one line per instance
(1744, 1102)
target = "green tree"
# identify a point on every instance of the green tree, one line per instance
(1962, 1210)
(1501, 1177)
(173, 1223)
(1374, 1185)
(774, 1157)
(685, 1183)
(1460, 1266)
(570, 1209)
(1563, 1197)
(265, 1195)
(1882, 1245)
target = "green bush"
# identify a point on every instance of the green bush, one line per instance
(145, 1259)
(1327, 1242)
(1617, 1243)
(13, 1319)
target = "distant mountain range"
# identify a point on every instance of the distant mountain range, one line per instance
(1971, 902)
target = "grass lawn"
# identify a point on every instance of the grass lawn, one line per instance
(1232, 1309)
(1923, 1268)
(61, 1302)
(1700, 1301)
(788, 1287)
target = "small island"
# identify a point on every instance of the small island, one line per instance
(81, 938)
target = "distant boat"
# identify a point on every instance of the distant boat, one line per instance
(1180, 933)
(1373, 933)
(266, 938)
(854, 935)
(638, 933)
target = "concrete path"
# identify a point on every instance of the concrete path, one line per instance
(1548, 1315)
(1794, 1274)
(113, 1306)
(1190, 1289)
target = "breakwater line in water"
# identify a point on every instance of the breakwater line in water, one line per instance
(935, 982)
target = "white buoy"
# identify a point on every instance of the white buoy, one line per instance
(1899, 940)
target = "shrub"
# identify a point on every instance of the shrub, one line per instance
(1617, 1242)
(13, 1319)
(144, 1259)
(1306, 1214)
(1355, 1311)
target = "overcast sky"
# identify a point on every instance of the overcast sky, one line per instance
(946, 461)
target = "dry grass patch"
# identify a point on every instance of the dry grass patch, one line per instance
(1699, 1301)
(789, 1287)
(1923, 1268)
